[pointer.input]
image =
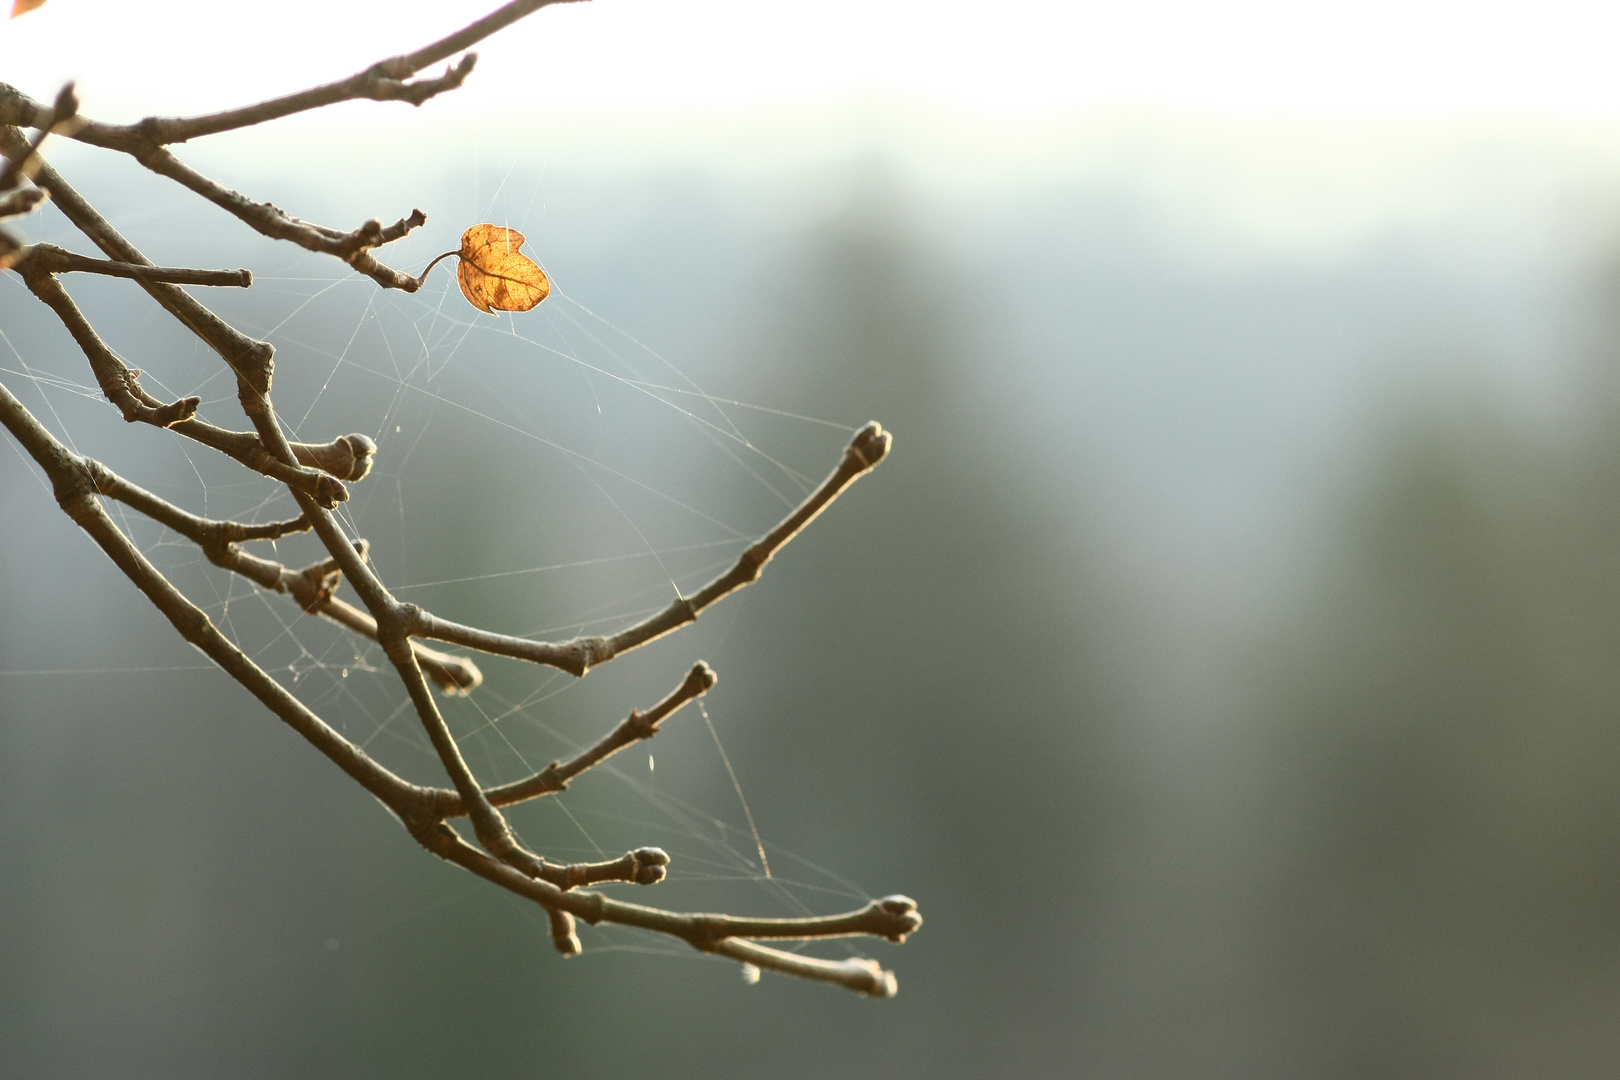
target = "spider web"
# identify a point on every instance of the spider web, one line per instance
(545, 474)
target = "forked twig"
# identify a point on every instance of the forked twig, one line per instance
(311, 587)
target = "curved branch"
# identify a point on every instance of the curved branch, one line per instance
(892, 918)
(870, 445)
(554, 777)
(115, 378)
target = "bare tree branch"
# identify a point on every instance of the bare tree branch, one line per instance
(491, 828)
(145, 140)
(252, 361)
(311, 587)
(349, 456)
(314, 475)
(892, 918)
(112, 374)
(635, 727)
(865, 977)
(75, 491)
(382, 81)
(55, 260)
(352, 247)
(579, 655)
(643, 866)
(505, 862)
(215, 538)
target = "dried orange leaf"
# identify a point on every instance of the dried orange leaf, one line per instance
(494, 276)
(23, 7)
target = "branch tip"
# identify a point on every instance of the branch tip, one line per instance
(865, 977)
(328, 493)
(21, 201)
(643, 866)
(902, 910)
(347, 457)
(700, 680)
(884, 984)
(563, 933)
(651, 865)
(870, 445)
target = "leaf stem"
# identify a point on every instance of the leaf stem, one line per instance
(437, 259)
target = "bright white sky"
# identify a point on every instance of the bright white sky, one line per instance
(1298, 123)
(1375, 58)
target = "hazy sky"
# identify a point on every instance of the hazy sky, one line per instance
(1312, 124)
(1377, 57)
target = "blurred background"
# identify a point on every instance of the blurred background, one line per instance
(1224, 658)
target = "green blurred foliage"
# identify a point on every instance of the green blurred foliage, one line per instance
(1381, 838)
(1441, 790)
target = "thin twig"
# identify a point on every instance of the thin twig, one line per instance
(382, 81)
(112, 374)
(212, 535)
(352, 247)
(55, 260)
(579, 655)
(633, 728)
(643, 866)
